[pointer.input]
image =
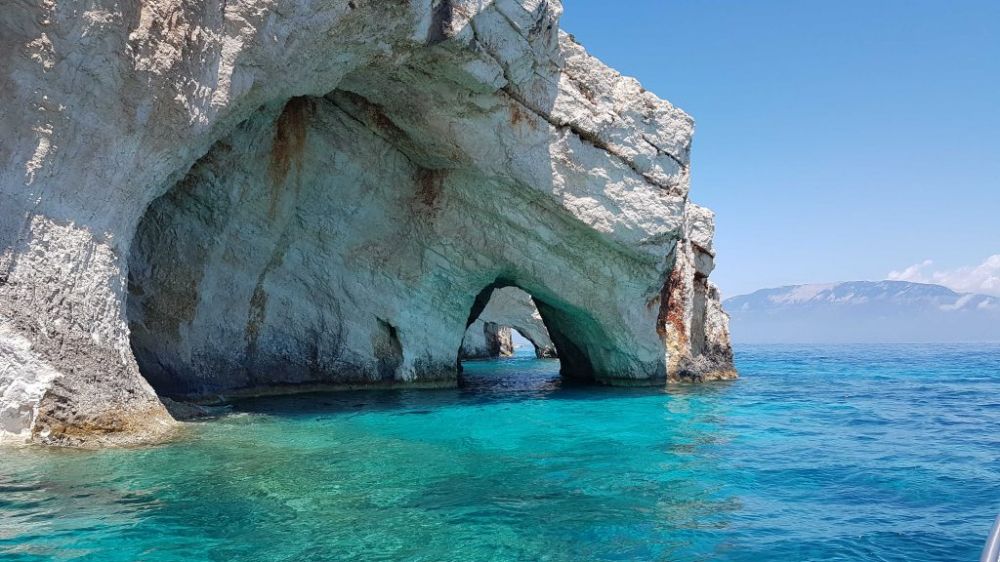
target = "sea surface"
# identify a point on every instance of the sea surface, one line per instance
(816, 453)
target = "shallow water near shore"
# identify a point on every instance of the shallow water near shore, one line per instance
(816, 453)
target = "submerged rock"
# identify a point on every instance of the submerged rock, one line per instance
(234, 196)
(189, 411)
(490, 335)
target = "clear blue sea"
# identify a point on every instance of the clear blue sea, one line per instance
(816, 453)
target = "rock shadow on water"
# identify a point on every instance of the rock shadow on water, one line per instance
(484, 382)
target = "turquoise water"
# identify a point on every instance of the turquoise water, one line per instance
(817, 453)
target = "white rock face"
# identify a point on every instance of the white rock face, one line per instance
(490, 336)
(24, 378)
(487, 340)
(244, 195)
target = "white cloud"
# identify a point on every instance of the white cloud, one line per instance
(959, 304)
(913, 273)
(983, 278)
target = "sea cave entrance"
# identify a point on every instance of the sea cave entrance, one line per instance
(284, 261)
(510, 320)
(555, 330)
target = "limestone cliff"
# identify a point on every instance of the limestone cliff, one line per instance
(490, 335)
(230, 196)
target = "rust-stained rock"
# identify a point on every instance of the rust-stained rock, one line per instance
(692, 322)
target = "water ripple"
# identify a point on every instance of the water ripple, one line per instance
(817, 453)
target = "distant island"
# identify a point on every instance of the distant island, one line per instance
(863, 311)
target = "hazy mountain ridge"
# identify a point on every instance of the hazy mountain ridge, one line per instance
(864, 311)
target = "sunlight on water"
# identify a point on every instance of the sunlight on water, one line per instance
(817, 453)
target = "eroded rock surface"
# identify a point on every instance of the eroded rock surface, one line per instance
(243, 195)
(490, 335)
(487, 340)
(693, 323)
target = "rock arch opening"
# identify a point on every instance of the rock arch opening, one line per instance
(521, 344)
(554, 330)
(510, 314)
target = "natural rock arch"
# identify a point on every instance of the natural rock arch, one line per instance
(188, 159)
(580, 339)
(283, 258)
(508, 308)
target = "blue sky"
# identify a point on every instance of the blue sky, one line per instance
(835, 140)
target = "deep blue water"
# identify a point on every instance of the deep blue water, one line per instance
(817, 453)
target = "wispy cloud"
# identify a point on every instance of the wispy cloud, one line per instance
(983, 278)
(913, 273)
